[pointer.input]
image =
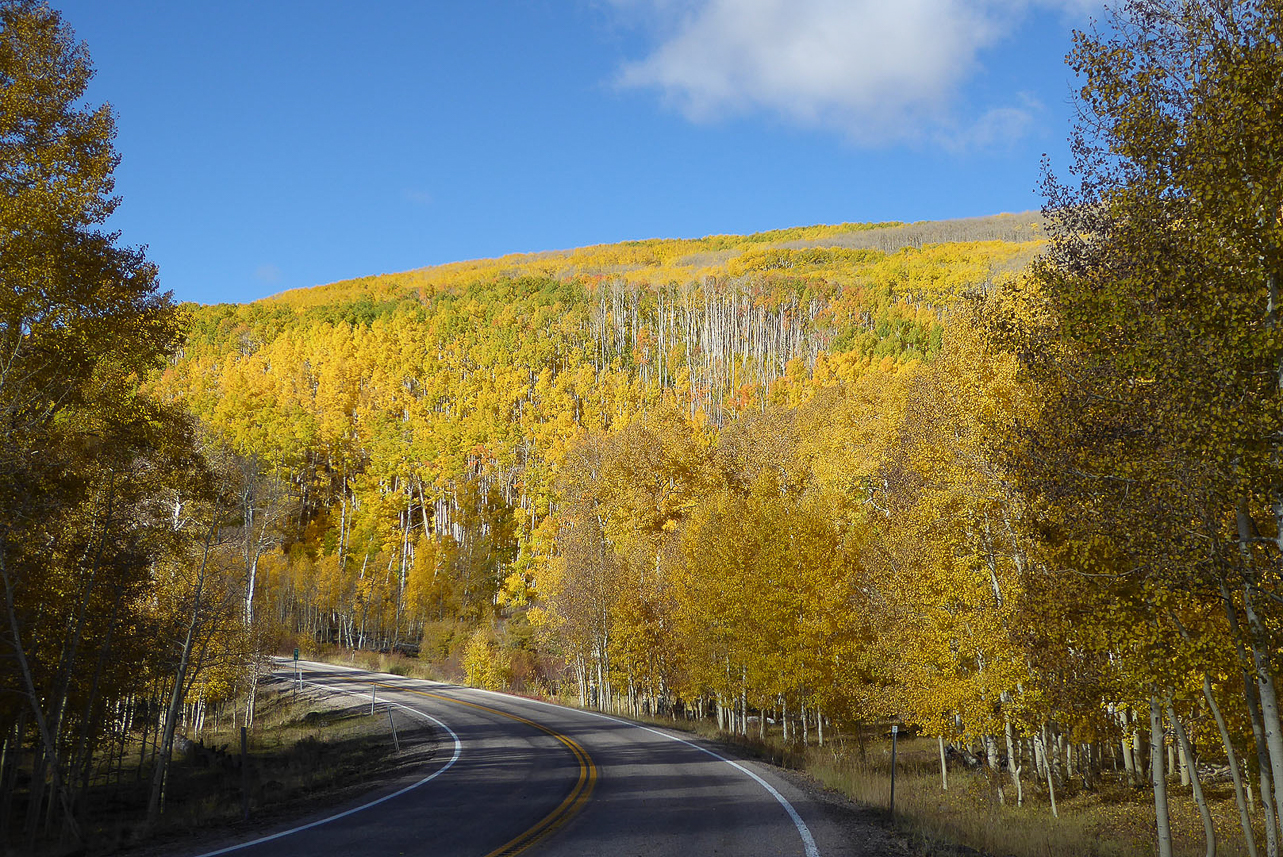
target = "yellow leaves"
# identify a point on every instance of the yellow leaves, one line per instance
(486, 664)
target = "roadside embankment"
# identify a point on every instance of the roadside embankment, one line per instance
(307, 748)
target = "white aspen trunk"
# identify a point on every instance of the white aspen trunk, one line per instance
(1051, 786)
(744, 700)
(1269, 700)
(1187, 753)
(991, 752)
(251, 704)
(819, 725)
(944, 769)
(249, 587)
(408, 522)
(1128, 764)
(1254, 716)
(1159, 779)
(1267, 697)
(165, 750)
(343, 523)
(1013, 763)
(1242, 797)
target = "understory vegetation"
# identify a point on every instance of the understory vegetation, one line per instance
(307, 746)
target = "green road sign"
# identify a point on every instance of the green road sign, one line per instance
(296, 654)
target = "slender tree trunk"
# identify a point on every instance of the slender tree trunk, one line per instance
(990, 744)
(165, 749)
(1257, 641)
(89, 727)
(1187, 750)
(1013, 763)
(1159, 779)
(48, 740)
(944, 769)
(1051, 785)
(1254, 716)
(9, 780)
(1245, 818)
(1269, 699)
(1129, 765)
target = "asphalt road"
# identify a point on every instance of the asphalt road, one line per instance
(516, 776)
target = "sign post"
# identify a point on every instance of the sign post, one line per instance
(244, 776)
(895, 731)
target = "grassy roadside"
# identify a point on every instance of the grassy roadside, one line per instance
(307, 748)
(1112, 820)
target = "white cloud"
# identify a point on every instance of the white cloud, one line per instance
(877, 70)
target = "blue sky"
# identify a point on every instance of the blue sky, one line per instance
(271, 145)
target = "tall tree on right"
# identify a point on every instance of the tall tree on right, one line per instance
(1162, 362)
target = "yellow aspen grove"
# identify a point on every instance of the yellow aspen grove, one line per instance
(1012, 486)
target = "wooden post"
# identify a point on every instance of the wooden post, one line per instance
(895, 732)
(244, 775)
(373, 696)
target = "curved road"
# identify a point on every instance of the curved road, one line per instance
(517, 776)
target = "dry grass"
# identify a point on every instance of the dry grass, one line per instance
(1113, 820)
(384, 662)
(305, 748)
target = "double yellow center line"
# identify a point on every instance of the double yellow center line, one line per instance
(565, 810)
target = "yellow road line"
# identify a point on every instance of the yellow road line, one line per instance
(564, 811)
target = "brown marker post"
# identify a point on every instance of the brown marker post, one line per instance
(244, 775)
(895, 731)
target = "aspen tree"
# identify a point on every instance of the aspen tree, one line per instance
(1162, 273)
(81, 321)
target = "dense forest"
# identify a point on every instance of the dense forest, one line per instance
(1013, 482)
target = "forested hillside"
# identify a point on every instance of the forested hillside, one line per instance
(429, 425)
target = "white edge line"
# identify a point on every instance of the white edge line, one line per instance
(432, 776)
(808, 841)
